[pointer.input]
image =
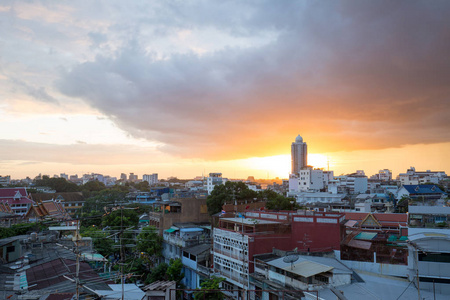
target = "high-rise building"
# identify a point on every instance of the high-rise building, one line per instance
(151, 179)
(299, 155)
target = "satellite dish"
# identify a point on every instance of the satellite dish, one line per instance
(291, 259)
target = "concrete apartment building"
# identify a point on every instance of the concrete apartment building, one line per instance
(237, 239)
(420, 177)
(152, 179)
(178, 210)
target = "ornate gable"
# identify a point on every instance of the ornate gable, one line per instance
(370, 221)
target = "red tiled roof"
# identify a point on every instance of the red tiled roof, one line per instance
(11, 192)
(385, 219)
(379, 216)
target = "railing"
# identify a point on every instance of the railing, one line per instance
(185, 242)
(205, 270)
(229, 254)
(234, 276)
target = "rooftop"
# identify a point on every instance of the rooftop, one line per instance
(248, 221)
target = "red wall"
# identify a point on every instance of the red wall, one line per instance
(316, 236)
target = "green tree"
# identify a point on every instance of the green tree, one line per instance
(206, 286)
(102, 245)
(61, 185)
(174, 271)
(121, 217)
(91, 218)
(99, 200)
(92, 186)
(402, 204)
(19, 229)
(150, 243)
(143, 186)
(228, 193)
(158, 273)
(276, 201)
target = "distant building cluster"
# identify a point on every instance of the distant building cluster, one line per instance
(346, 236)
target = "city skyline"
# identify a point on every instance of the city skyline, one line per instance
(181, 90)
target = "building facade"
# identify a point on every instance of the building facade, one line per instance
(237, 239)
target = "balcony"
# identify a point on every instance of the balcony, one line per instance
(186, 242)
(238, 277)
(229, 253)
(204, 270)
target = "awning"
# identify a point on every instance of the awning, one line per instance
(171, 229)
(191, 229)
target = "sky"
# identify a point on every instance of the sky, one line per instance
(184, 88)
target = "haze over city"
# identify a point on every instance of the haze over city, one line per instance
(187, 88)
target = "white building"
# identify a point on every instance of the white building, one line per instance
(151, 179)
(355, 183)
(299, 155)
(413, 177)
(213, 180)
(309, 179)
(5, 180)
(231, 256)
(314, 197)
(383, 175)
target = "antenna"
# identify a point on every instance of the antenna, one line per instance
(291, 258)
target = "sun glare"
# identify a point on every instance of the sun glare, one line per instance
(275, 166)
(318, 161)
(280, 165)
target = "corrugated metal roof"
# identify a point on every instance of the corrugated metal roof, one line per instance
(303, 267)
(307, 268)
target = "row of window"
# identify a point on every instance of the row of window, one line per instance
(229, 265)
(237, 244)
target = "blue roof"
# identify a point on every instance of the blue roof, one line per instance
(423, 189)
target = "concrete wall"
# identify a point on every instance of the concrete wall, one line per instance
(382, 269)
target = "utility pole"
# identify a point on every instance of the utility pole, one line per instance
(121, 251)
(77, 279)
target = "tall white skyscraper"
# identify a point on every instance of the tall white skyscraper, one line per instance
(299, 155)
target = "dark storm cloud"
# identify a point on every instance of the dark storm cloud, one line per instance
(347, 75)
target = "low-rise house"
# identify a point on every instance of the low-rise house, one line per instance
(196, 265)
(160, 290)
(180, 209)
(423, 192)
(429, 216)
(11, 248)
(182, 236)
(297, 273)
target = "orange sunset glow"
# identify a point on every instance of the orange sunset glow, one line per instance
(99, 88)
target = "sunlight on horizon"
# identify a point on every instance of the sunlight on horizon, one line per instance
(280, 165)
